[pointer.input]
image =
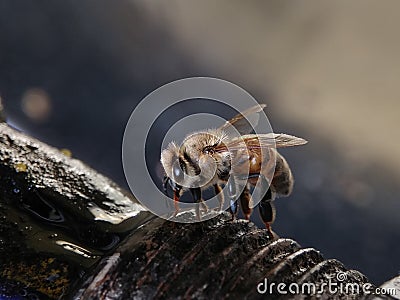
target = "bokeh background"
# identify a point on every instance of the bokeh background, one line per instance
(71, 72)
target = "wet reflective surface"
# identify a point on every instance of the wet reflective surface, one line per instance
(58, 218)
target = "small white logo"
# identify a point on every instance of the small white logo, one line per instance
(341, 276)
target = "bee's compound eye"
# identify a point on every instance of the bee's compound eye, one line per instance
(177, 172)
(209, 150)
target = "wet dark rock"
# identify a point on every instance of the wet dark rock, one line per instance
(58, 217)
(215, 259)
(393, 285)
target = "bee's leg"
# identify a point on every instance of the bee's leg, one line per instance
(245, 199)
(165, 185)
(177, 193)
(220, 196)
(204, 205)
(176, 201)
(197, 198)
(267, 212)
(196, 194)
(233, 205)
(266, 206)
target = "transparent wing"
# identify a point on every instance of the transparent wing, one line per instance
(258, 141)
(241, 124)
(282, 140)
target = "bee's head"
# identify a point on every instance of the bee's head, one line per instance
(195, 162)
(201, 145)
(198, 152)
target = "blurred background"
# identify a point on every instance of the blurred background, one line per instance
(72, 72)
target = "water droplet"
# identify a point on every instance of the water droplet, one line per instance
(53, 236)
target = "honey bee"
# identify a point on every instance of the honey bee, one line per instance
(212, 158)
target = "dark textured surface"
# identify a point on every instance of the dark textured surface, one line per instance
(58, 217)
(215, 259)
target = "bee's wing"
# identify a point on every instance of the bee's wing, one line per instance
(282, 140)
(258, 141)
(241, 124)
